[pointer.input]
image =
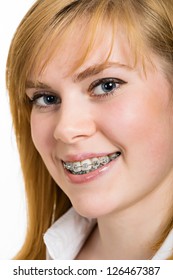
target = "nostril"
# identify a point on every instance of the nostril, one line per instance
(73, 130)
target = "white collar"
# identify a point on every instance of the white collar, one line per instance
(66, 236)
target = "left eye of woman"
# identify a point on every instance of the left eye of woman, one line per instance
(105, 86)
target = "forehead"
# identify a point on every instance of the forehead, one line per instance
(78, 52)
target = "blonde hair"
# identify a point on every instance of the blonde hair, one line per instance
(147, 23)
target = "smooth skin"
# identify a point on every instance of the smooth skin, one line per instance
(128, 112)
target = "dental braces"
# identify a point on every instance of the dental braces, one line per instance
(97, 163)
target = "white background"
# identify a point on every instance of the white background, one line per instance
(12, 200)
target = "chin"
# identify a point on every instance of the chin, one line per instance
(90, 209)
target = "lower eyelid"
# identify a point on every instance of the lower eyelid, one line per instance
(46, 108)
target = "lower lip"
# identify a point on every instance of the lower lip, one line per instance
(79, 179)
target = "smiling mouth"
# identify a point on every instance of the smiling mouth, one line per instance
(89, 165)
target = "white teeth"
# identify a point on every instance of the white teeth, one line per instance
(104, 160)
(95, 163)
(113, 156)
(76, 167)
(69, 165)
(89, 165)
(86, 165)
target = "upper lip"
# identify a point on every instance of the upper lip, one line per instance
(83, 156)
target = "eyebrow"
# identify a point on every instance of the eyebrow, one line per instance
(96, 69)
(89, 72)
(37, 84)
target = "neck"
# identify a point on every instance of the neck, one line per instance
(132, 233)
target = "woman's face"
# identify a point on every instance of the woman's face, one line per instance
(104, 132)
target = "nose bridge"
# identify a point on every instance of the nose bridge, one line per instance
(74, 121)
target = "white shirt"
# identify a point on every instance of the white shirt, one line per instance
(66, 236)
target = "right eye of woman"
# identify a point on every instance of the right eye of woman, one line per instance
(45, 100)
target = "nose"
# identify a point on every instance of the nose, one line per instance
(74, 123)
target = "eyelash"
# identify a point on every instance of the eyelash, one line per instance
(101, 82)
(38, 95)
(104, 81)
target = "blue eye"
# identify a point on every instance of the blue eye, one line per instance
(105, 86)
(45, 100)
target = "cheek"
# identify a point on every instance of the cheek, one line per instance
(138, 123)
(125, 121)
(143, 131)
(41, 132)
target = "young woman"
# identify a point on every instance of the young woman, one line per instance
(90, 85)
